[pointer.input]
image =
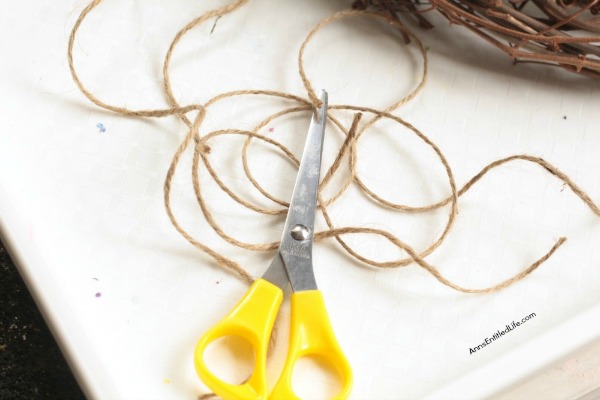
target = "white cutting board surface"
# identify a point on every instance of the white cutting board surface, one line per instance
(82, 213)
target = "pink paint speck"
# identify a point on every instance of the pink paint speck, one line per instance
(271, 129)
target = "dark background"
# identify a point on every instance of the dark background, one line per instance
(31, 364)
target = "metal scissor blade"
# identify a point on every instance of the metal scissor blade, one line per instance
(276, 273)
(304, 198)
(296, 242)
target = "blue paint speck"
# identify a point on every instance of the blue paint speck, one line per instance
(101, 126)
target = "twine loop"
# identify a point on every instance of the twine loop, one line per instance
(364, 118)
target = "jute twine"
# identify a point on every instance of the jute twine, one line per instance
(346, 151)
(193, 115)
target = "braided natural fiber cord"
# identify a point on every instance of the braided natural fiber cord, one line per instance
(193, 116)
(347, 150)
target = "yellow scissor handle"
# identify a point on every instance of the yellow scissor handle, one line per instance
(311, 334)
(251, 319)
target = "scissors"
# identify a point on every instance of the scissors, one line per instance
(252, 319)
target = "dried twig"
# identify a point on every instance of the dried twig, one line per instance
(563, 33)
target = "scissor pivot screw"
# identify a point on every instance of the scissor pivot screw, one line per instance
(300, 232)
